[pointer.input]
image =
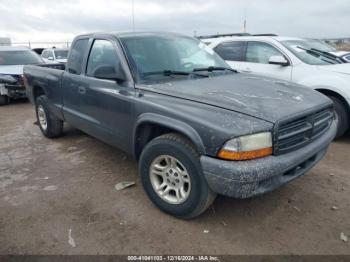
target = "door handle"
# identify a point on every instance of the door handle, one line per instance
(82, 90)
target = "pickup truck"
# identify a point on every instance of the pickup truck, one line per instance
(196, 127)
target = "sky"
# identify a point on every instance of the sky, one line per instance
(61, 20)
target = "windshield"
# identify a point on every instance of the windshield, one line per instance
(152, 53)
(61, 54)
(320, 45)
(22, 57)
(308, 57)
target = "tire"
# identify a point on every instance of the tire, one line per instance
(54, 125)
(341, 115)
(4, 100)
(176, 148)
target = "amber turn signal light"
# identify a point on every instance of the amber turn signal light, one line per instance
(230, 155)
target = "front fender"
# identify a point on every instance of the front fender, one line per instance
(332, 89)
(336, 84)
(179, 126)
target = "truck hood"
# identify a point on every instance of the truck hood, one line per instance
(265, 98)
(338, 68)
(11, 70)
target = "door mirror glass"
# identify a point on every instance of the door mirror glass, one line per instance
(50, 58)
(278, 60)
(109, 72)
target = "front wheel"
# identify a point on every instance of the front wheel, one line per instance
(172, 177)
(341, 115)
(50, 125)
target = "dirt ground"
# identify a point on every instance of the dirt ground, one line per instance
(58, 197)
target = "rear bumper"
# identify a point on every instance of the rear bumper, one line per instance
(244, 179)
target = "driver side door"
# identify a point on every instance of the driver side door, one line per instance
(107, 103)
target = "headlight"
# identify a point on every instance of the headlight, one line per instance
(247, 147)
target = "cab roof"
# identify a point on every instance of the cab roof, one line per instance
(130, 34)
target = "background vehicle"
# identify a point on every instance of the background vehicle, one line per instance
(343, 55)
(12, 60)
(196, 126)
(292, 59)
(58, 55)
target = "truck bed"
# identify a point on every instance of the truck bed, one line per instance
(58, 66)
(45, 78)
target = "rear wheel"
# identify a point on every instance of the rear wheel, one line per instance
(341, 115)
(4, 100)
(172, 177)
(49, 124)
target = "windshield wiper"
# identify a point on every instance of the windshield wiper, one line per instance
(314, 51)
(171, 73)
(214, 68)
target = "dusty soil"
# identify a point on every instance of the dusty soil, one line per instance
(49, 188)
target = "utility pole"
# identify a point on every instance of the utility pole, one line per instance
(245, 20)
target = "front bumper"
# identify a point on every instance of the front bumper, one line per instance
(244, 179)
(13, 91)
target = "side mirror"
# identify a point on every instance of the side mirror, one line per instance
(50, 58)
(110, 73)
(278, 60)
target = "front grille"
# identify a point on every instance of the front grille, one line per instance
(297, 132)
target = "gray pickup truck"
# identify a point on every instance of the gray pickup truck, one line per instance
(196, 127)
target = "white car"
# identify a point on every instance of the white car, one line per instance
(12, 60)
(58, 55)
(291, 59)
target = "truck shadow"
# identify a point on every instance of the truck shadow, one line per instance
(18, 101)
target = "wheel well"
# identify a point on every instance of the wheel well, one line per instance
(327, 92)
(38, 91)
(147, 132)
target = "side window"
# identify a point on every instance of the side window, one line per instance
(50, 54)
(258, 52)
(103, 59)
(44, 54)
(231, 51)
(76, 56)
